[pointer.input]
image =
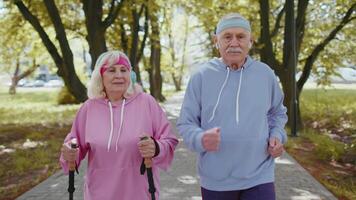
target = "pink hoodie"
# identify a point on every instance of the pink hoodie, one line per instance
(113, 157)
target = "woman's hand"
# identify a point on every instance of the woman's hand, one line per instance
(68, 153)
(146, 147)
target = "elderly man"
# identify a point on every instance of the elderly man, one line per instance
(233, 117)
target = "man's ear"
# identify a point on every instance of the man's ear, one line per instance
(250, 44)
(215, 41)
(217, 45)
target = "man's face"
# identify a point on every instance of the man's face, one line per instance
(234, 44)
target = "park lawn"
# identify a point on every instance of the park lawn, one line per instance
(27, 119)
(327, 145)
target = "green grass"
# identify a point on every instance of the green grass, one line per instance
(34, 108)
(327, 113)
(332, 109)
(315, 152)
(37, 117)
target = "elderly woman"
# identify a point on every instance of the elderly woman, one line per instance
(108, 128)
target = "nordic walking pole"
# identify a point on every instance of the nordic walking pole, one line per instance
(148, 166)
(72, 166)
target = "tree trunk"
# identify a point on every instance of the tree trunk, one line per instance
(71, 80)
(135, 51)
(290, 64)
(155, 60)
(96, 31)
(177, 80)
(283, 71)
(96, 27)
(17, 77)
(14, 78)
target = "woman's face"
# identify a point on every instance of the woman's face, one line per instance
(116, 80)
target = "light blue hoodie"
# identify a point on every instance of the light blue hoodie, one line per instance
(247, 105)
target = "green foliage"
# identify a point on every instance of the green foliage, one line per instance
(64, 97)
(18, 42)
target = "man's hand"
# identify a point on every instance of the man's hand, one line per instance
(275, 147)
(211, 139)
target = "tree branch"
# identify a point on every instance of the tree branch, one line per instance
(300, 23)
(113, 13)
(140, 52)
(61, 36)
(320, 47)
(267, 54)
(33, 20)
(277, 25)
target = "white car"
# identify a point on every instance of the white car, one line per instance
(54, 83)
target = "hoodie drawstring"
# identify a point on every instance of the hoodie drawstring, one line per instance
(217, 102)
(112, 124)
(121, 122)
(238, 97)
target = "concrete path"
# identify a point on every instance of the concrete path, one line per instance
(181, 183)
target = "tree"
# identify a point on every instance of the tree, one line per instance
(96, 28)
(154, 71)
(18, 48)
(176, 27)
(268, 51)
(129, 28)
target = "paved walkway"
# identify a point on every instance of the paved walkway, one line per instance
(181, 183)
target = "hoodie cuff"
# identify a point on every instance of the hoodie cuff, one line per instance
(198, 142)
(157, 148)
(278, 136)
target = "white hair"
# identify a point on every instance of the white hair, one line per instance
(96, 86)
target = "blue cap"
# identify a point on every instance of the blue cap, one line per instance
(233, 21)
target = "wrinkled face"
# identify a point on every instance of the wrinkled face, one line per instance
(234, 45)
(116, 79)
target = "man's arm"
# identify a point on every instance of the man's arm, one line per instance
(189, 121)
(277, 114)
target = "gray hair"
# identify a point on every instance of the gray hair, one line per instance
(96, 86)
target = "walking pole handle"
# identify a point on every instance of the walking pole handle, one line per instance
(73, 145)
(147, 161)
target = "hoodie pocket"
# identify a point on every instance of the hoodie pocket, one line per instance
(215, 165)
(117, 182)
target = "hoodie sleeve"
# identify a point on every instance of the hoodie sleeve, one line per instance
(189, 121)
(77, 131)
(162, 133)
(277, 117)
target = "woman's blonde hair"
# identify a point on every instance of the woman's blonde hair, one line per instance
(96, 87)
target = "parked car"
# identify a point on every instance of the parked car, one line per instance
(36, 83)
(54, 83)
